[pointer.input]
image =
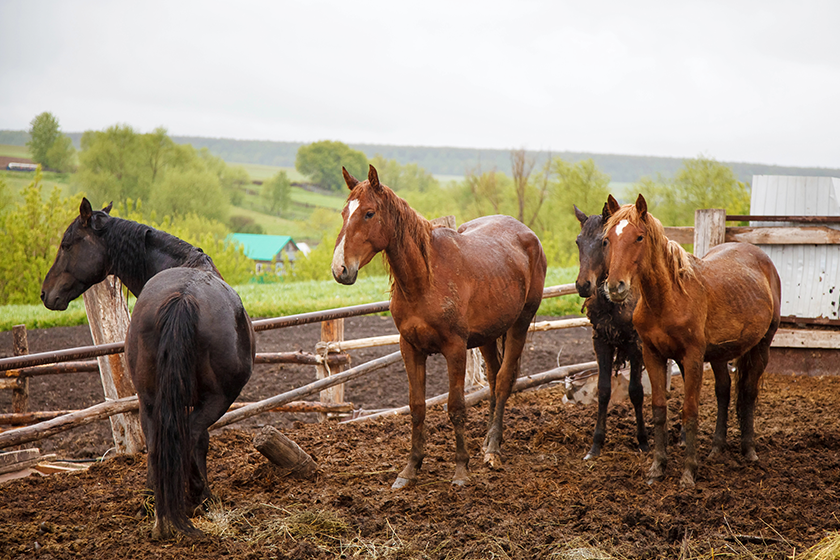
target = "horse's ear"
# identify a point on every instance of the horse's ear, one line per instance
(580, 215)
(107, 209)
(85, 211)
(641, 207)
(373, 178)
(605, 213)
(612, 205)
(349, 179)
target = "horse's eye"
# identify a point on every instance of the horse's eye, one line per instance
(369, 214)
(639, 239)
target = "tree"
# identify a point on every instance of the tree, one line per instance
(31, 232)
(322, 162)
(189, 191)
(115, 165)
(277, 191)
(700, 183)
(48, 145)
(528, 193)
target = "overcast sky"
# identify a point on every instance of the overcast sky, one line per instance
(736, 81)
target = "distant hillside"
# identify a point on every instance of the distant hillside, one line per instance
(454, 161)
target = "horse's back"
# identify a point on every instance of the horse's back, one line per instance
(486, 239)
(743, 292)
(224, 335)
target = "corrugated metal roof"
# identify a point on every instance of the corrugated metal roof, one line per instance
(263, 247)
(810, 274)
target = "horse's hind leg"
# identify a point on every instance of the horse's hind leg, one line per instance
(509, 370)
(490, 353)
(604, 353)
(723, 385)
(210, 409)
(637, 397)
(750, 368)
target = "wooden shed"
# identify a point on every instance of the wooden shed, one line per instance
(267, 250)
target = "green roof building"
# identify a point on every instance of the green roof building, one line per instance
(266, 248)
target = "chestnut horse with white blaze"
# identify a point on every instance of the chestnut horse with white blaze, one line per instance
(450, 291)
(725, 306)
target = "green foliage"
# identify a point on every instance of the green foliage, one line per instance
(48, 145)
(580, 184)
(322, 162)
(118, 164)
(277, 191)
(700, 183)
(189, 191)
(317, 265)
(31, 233)
(244, 224)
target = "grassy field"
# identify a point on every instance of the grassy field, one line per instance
(260, 172)
(281, 299)
(14, 151)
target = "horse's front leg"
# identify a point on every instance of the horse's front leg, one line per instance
(637, 397)
(691, 401)
(415, 368)
(723, 384)
(656, 368)
(604, 353)
(456, 365)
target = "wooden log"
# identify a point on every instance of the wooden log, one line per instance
(62, 423)
(301, 358)
(53, 369)
(20, 392)
(301, 407)
(284, 453)
(784, 235)
(331, 331)
(108, 318)
(475, 397)
(709, 229)
(18, 460)
(267, 404)
(806, 338)
(53, 356)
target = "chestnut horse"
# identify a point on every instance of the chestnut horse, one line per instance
(725, 306)
(189, 347)
(614, 338)
(450, 291)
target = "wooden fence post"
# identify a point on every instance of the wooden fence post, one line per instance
(331, 331)
(709, 230)
(20, 393)
(108, 317)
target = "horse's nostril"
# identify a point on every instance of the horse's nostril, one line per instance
(43, 295)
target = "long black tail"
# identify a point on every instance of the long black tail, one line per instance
(176, 364)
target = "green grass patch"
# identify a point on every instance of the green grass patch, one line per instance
(259, 172)
(9, 150)
(283, 298)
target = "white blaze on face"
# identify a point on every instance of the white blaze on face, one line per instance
(620, 227)
(338, 255)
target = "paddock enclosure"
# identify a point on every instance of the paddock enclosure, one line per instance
(547, 503)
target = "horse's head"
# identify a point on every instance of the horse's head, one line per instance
(625, 240)
(591, 251)
(81, 261)
(365, 230)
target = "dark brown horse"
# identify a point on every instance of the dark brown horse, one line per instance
(190, 345)
(722, 307)
(613, 336)
(451, 290)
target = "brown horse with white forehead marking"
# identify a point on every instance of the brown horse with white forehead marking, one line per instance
(722, 307)
(451, 290)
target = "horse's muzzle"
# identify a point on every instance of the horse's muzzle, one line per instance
(618, 292)
(344, 275)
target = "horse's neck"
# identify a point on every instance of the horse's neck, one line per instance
(139, 252)
(657, 285)
(407, 259)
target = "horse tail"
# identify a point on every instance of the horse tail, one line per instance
(176, 363)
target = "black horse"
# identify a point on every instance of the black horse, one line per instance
(190, 345)
(613, 336)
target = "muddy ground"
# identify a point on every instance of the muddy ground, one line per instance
(547, 503)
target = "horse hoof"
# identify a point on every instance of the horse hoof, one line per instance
(751, 456)
(494, 461)
(401, 483)
(644, 447)
(591, 455)
(687, 480)
(715, 452)
(460, 482)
